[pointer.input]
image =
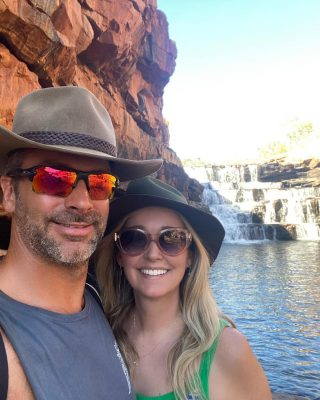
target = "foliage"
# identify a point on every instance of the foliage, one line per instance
(197, 162)
(301, 132)
(273, 149)
(301, 138)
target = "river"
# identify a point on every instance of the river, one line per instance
(272, 291)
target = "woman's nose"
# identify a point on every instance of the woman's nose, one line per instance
(153, 251)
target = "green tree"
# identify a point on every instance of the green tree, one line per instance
(301, 132)
(272, 150)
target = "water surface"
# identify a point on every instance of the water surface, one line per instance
(271, 290)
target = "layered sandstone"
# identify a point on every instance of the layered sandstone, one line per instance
(302, 173)
(118, 49)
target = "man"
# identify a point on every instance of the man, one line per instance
(59, 169)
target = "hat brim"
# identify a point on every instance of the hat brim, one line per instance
(123, 168)
(208, 227)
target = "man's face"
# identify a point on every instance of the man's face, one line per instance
(61, 230)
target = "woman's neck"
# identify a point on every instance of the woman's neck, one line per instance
(154, 315)
(154, 328)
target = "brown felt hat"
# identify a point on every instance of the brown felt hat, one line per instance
(69, 119)
(148, 192)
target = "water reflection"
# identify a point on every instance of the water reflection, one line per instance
(271, 290)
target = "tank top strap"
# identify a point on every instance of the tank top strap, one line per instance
(207, 359)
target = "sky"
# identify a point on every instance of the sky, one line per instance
(245, 71)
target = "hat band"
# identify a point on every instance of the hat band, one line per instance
(71, 139)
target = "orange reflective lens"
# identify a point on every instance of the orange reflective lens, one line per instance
(101, 186)
(60, 182)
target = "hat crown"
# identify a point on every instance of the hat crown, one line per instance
(154, 187)
(68, 109)
(151, 192)
(69, 119)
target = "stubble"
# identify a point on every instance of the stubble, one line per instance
(33, 228)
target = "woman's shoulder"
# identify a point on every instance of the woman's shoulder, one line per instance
(234, 352)
(235, 367)
(233, 345)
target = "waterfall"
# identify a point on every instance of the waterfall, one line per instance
(254, 210)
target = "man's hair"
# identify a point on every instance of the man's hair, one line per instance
(15, 160)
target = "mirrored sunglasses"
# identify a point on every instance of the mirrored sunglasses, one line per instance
(55, 181)
(171, 241)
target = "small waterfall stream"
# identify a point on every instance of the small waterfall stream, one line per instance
(254, 210)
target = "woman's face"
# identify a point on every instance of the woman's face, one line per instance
(154, 274)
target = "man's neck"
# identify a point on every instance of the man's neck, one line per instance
(36, 282)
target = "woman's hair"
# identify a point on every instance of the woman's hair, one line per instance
(198, 307)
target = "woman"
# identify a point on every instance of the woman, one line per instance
(153, 272)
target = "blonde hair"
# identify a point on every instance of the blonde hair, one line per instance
(198, 307)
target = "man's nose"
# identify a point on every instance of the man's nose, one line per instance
(79, 198)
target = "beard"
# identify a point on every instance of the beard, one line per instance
(33, 229)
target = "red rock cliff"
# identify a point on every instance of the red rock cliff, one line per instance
(118, 49)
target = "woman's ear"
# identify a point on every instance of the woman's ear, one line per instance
(8, 194)
(189, 259)
(118, 258)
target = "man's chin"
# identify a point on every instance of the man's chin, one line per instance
(77, 256)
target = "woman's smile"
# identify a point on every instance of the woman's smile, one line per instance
(148, 273)
(153, 271)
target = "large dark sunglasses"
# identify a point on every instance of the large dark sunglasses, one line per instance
(171, 241)
(60, 182)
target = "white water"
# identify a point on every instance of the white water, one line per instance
(253, 210)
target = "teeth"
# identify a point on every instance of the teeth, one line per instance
(154, 272)
(74, 226)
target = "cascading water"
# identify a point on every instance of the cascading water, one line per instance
(254, 210)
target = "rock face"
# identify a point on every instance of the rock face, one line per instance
(118, 49)
(305, 173)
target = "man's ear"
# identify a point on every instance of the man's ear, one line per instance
(8, 194)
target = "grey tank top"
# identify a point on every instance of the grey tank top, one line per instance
(66, 356)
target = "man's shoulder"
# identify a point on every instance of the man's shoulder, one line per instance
(17, 387)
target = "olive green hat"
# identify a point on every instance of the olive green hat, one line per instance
(148, 192)
(69, 119)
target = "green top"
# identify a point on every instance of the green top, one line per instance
(204, 371)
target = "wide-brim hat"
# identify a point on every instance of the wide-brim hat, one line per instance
(149, 192)
(69, 119)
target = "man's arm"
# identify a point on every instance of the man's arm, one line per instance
(18, 385)
(3, 370)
